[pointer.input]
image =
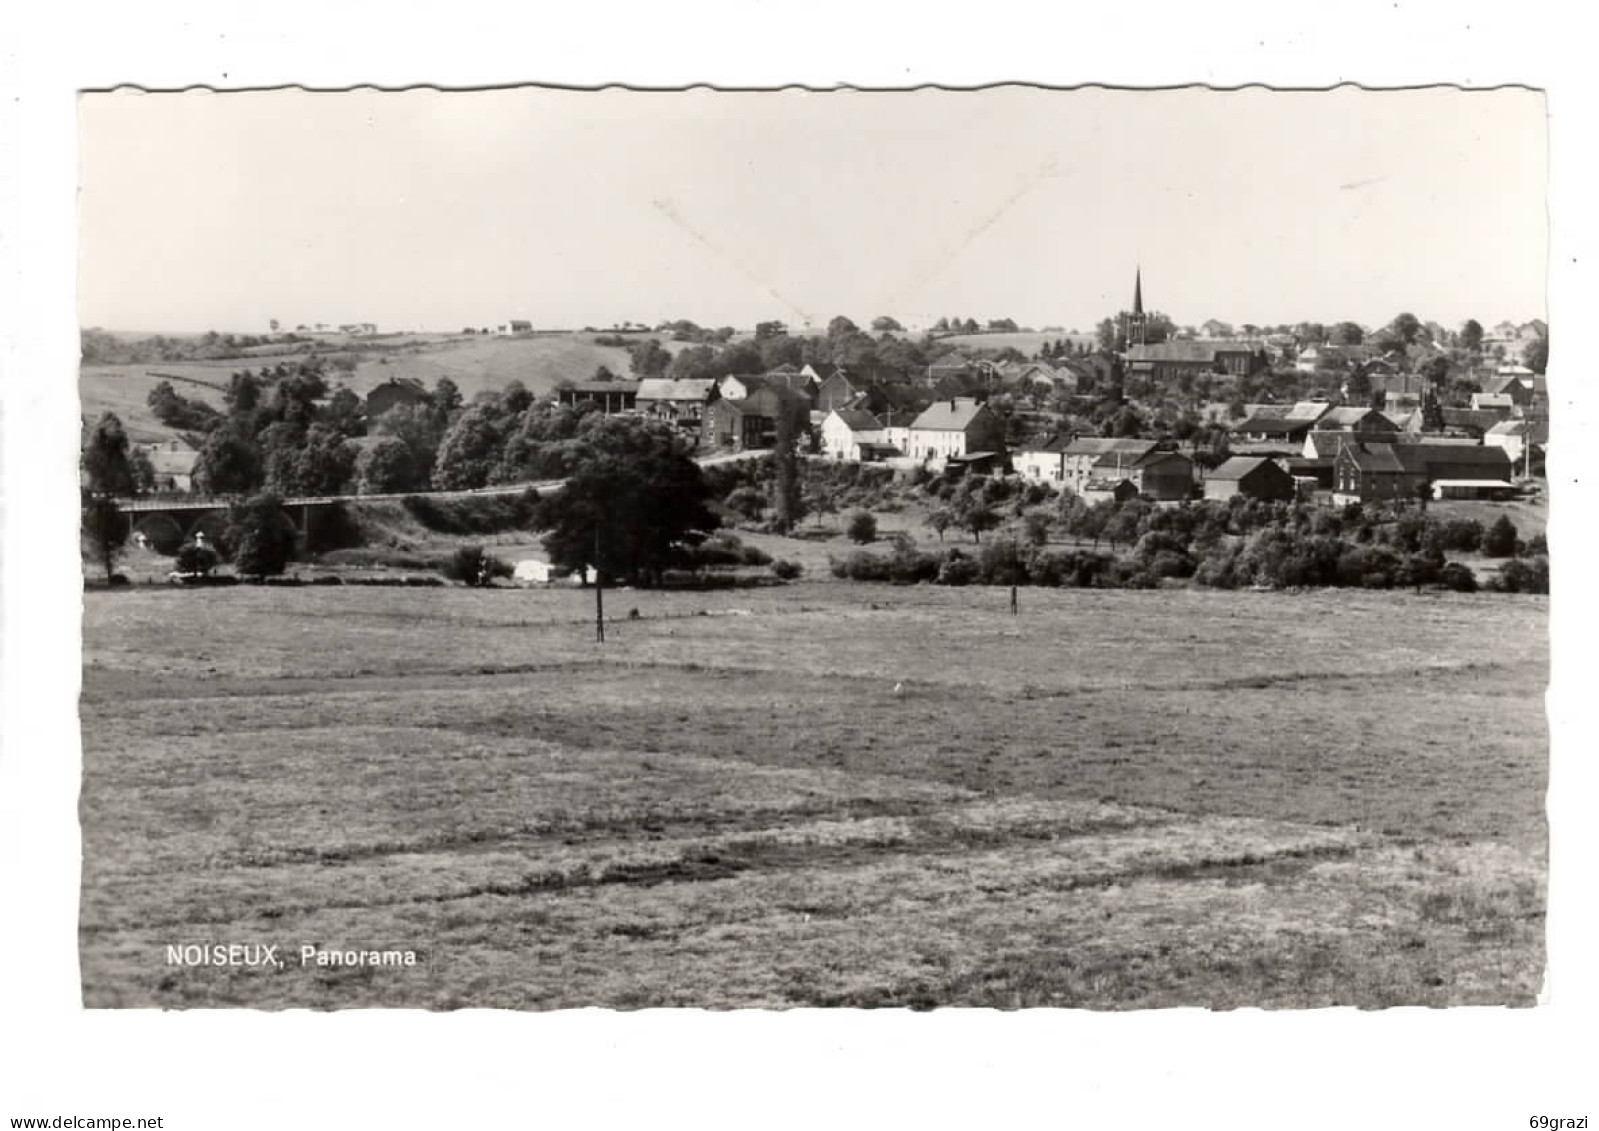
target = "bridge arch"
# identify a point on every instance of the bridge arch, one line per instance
(161, 532)
(214, 525)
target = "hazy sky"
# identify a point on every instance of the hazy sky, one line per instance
(434, 210)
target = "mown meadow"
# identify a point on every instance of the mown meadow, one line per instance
(820, 794)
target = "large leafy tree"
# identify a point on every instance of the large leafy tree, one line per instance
(262, 538)
(634, 500)
(1346, 334)
(788, 503)
(106, 460)
(387, 467)
(1536, 355)
(228, 464)
(470, 450)
(105, 531)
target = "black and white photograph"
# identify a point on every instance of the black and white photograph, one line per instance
(1006, 575)
(912, 583)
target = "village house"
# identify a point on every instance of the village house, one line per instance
(1370, 472)
(954, 428)
(1471, 422)
(1046, 462)
(1290, 426)
(854, 434)
(1164, 476)
(173, 461)
(1502, 404)
(1517, 386)
(1520, 440)
(1081, 456)
(680, 402)
(1253, 477)
(394, 392)
(1339, 424)
(515, 328)
(836, 390)
(752, 422)
(950, 365)
(897, 426)
(738, 386)
(609, 396)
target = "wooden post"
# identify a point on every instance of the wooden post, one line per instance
(1013, 599)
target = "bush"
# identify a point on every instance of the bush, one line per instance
(1523, 576)
(958, 570)
(1500, 540)
(862, 527)
(787, 570)
(909, 566)
(1002, 564)
(475, 566)
(197, 559)
(863, 565)
(1458, 577)
(1463, 535)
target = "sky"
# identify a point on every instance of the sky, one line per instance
(432, 210)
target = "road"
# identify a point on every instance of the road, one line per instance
(167, 503)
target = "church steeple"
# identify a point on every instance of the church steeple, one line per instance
(1135, 321)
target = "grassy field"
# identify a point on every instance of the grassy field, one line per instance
(1116, 800)
(474, 364)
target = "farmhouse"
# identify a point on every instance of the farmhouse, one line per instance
(680, 402)
(1047, 462)
(959, 426)
(1289, 427)
(1340, 424)
(1472, 422)
(738, 386)
(751, 422)
(1164, 476)
(836, 390)
(855, 434)
(1080, 457)
(1516, 386)
(1518, 439)
(173, 461)
(951, 365)
(1500, 403)
(515, 328)
(394, 392)
(1253, 477)
(609, 396)
(1366, 472)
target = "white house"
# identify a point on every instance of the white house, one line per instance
(956, 427)
(516, 327)
(1046, 463)
(1516, 438)
(846, 430)
(536, 571)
